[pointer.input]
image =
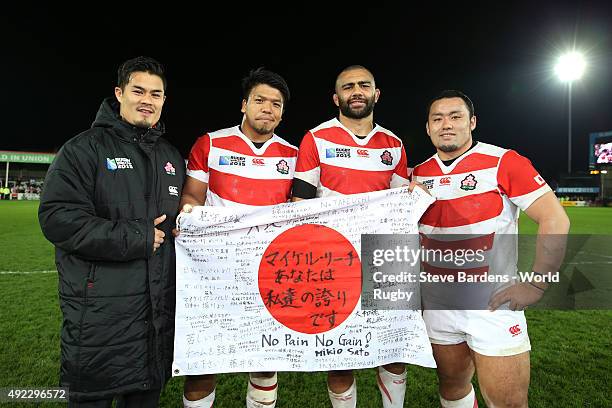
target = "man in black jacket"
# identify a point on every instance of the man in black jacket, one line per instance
(109, 206)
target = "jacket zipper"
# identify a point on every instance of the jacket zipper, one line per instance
(150, 188)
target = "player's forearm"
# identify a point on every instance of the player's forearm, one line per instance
(551, 242)
(191, 199)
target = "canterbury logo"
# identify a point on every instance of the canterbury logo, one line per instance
(515, 330)
(258, 162)
(445, 181)
(363, 153)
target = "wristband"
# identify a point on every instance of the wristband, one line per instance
(537, 287)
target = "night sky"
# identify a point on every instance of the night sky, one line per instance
(57, 68)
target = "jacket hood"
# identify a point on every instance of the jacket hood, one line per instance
(108, 117)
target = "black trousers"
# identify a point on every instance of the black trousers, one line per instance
(143, 399)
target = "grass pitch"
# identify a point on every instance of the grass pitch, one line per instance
(571, 357)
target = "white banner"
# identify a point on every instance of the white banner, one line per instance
(278, 288)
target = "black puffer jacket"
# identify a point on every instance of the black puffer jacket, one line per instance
(117, 296)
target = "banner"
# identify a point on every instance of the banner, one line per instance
(278, 288)
(26, 157)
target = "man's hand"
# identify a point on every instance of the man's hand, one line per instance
(159, 234)
(520, 295)
(186, 209)
(415, 184)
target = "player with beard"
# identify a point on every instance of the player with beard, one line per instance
(349, 155)
(247, 166)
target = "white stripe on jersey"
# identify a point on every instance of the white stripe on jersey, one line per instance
(311, 176)
(255, 167)
(398, 181)
(365, 158)
(360, 141)
(199, 175)
(487, 180)
(524, 201)
(481, 147)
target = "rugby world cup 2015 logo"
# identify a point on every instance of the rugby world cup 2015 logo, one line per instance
(333, 152)
(118, 163)
(111, 164)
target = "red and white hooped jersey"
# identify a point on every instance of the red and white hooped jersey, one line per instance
(238, 173)
(480, 194)
(334, 160)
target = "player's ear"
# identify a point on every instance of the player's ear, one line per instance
(118, 93)
(336, 101)
(427, 128)
(244, 104)
(376, 95)
(473, 122)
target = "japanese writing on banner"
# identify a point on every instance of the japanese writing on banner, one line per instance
(278, 288)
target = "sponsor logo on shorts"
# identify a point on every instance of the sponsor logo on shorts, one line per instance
(118, 163)
(445, 181)
(232, 161)
(469, 183)
(337, 152)
(386, 158)
(170, 170)
(282, 167)
(515, 330)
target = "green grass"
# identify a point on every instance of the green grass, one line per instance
(23, 246)
(586, 220)
(571, 357)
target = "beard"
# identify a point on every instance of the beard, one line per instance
(143, 125)
(448, 148)
(360, 113)
(457, 145)
(261, 129)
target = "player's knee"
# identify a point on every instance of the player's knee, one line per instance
(197, 387)
(500, 398)
(458, 378)
(340, 380)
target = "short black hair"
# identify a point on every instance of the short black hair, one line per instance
(139, 64)
(263, 76)
(451, 93)
(352, 68)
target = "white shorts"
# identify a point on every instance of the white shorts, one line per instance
(498, 333)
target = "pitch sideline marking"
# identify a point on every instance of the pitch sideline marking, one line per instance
(24, 272)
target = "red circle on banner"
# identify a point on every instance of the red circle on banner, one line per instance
(310, 278)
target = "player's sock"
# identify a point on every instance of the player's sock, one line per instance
(206, 402)
(261, 392)
(469, 401)
(347, 399)
(392, 387)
